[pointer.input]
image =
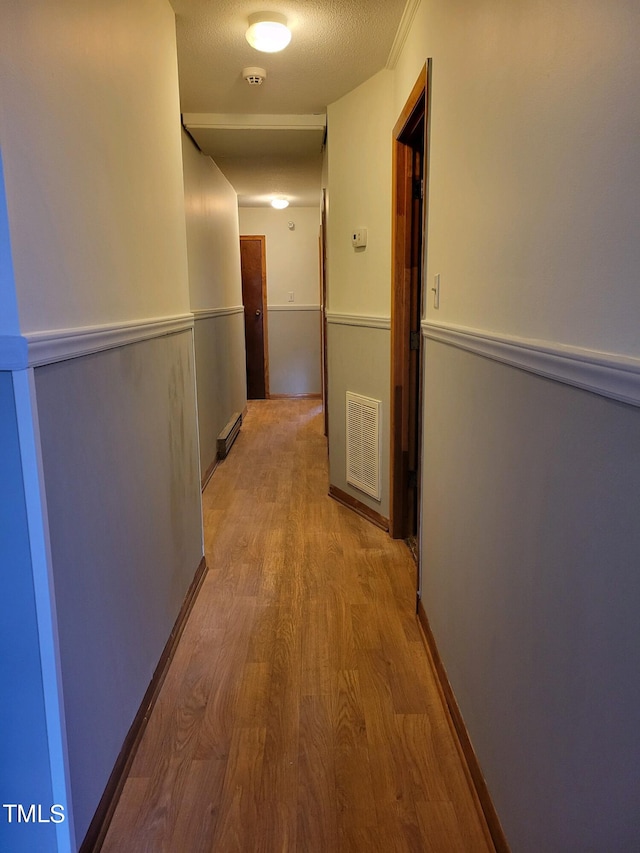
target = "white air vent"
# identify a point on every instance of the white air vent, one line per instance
(363, 444)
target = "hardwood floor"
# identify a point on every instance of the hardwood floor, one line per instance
(300, 712)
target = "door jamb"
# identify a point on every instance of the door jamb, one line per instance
(400, 307)
(323, 311)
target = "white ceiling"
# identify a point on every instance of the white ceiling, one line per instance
(335, 46)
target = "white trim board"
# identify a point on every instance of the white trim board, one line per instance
(402, 32)
(293, 306)
(609, 374)
(208, 313)
(60, 344)
(256, 121)
(358, 320)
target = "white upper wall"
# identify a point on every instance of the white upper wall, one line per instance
(535, 167)
(359, 133)
(91, 147)
(213, 243)
(293, 255)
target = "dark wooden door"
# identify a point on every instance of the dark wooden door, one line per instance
(254, 286)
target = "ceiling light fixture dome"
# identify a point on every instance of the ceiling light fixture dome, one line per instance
(279, 203)
(268, 32)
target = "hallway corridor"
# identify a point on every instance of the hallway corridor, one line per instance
(299, 712)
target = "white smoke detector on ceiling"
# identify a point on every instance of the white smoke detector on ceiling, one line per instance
(254, 76)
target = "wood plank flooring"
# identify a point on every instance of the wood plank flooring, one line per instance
(300, 712)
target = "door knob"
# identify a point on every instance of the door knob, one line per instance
(258, 312)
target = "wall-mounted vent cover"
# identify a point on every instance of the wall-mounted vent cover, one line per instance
(363, 444)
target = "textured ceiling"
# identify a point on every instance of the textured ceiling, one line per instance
(335, 46)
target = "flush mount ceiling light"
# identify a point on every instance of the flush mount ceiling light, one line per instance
(268, 32)
(279, 203)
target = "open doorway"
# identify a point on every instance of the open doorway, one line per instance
(409, 181)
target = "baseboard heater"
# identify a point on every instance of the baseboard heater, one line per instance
(229, 435)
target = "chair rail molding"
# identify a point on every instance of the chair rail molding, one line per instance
(60, 344)
(611, 375)
(293, 306)
(209, 313)
(336, 319)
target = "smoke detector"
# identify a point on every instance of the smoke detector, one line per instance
(254, 76)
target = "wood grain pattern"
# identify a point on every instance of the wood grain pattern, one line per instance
(359, 507)
(97, 830)
(300, 712)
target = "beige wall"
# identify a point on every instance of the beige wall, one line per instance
(108, 440)
(120, 460)
(527, 543)
(358, 361)
(529, 562)
(359, 280)
(211, 206)
(534, 176)
(528, 485)
(92, 90)
(359, 175)
(292, 254)
(221, 377)
(294, 352)
(293, 258)
(215, 287)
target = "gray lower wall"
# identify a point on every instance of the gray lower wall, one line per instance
(531, 581)
(358, 361)
(24, 754)
(221, 378)
(120, 458)
(294, 352)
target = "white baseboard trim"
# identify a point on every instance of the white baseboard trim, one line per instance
(609, 374)
(358, 320)
(209, 313)
(62, 344)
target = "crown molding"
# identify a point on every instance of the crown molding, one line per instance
(402, 32)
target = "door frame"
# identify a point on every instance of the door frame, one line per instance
(265, 337)
(416, 106)
(323, 311)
